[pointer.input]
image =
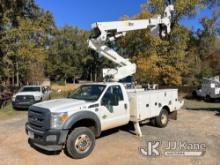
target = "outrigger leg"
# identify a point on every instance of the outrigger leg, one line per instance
(137, 129)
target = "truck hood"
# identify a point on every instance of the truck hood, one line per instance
(63, 105)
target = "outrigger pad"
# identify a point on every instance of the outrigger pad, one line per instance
(173, 115)
(137, 129)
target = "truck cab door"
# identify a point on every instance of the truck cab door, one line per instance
(113, 109)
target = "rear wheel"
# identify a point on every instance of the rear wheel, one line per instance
(194, 94)
(208, 99)
(162, 119)
(153, 122)
(80, 143)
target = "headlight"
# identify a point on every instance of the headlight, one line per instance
(13, 98)
(37, 98)
(57, 120)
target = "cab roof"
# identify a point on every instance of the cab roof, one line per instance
(32, 86)
(103, 83)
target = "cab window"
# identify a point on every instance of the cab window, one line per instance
(112, 96)
(87, 92)
(118, 92)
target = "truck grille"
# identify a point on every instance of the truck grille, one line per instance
(39, 118)
(25, 98)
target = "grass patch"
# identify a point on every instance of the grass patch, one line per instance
(57, 95)
(8, 111)
(67, 88)
(200, 105)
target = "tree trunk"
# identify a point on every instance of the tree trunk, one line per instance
(95, 76)
(74, 80)
(17, 76)
(90, 76)
(65, 79)
(13, 80)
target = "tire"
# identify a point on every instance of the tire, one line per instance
(153, 122)
(208, 99)
(80, 136)
(162, 119)
(194, 94)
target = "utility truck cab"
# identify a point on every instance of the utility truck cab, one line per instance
(74, 122)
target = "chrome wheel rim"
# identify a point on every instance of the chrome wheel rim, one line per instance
(164, 118)
(83, 143)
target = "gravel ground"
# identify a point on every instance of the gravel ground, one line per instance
(120, 146)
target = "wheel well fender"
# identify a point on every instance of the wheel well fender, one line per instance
(166, 108)
(172, 115)
(83, 119)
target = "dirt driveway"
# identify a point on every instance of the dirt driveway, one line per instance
(120, 147)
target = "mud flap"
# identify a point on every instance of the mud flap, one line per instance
(173, 115)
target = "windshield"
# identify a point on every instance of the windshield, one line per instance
(30, 89)
(87, 92)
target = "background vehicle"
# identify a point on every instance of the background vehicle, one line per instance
(29, 95)
(209, 89)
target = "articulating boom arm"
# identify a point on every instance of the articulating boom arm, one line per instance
(110, 31)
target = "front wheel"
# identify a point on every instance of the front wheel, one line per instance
(162, 119)
(80, 143)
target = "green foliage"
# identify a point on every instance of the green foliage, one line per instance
(67, 53)
(32, 47)
(158, 61)
(207, 36)
(8, 111)
(70, 57)
(24, 32)
(207, 71)
(179, 59)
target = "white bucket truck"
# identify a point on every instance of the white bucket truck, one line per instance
(73, 123)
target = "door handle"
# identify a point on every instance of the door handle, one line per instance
(126, 106)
